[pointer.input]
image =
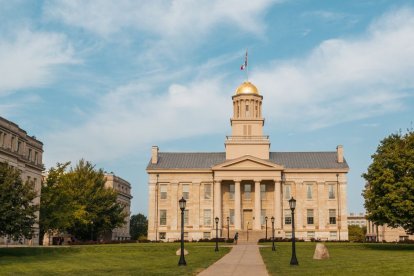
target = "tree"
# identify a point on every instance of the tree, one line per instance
(138, 226)
(17, 211)
(356, 233)
(389, 192)
(90, 208)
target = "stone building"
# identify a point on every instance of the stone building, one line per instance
(247, 183)
(23, 152)
(357, 219)
(124, 197)
(384, 233)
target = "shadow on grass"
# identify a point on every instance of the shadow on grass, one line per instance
(34, 251)
(389, 246)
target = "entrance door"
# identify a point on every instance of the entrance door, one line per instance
(247, 219)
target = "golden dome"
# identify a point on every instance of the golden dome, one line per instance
(247, 88)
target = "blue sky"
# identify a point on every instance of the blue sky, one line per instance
(106, 80)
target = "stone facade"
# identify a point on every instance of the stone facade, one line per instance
(23, 152)
(357, 219)
(124, 197)
(247, 183)
(385, 233)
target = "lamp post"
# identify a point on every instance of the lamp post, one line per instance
(292, 205)
(182, 203)
(266, 226)
(91, 230)
(217, 221)
(273, 234)
(228, 228)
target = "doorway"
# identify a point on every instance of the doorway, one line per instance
(247, 219)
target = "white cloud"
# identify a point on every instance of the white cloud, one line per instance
(160, 17)
(28, 59)
(344, 79)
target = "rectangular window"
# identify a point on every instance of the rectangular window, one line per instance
(247, 191)
(186, 191)
(231, 193)
(262, 191)
(163, 217)
(309, 216)
(163, 191)
(186, 236)
(207, 191)
(332, 216)
(207, 217)
(288, 216)
(231, 216)
(163, 235)
(30, 155)
(186, 215)
(309, 191)
(12, 144)
(206, 235)
(287, 191)
(331, 191)
(262, 216)
(332, 235)
(19, 144)
(35, 160)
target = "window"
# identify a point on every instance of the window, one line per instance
(263, 191)
(163, 235)
(332, 235)
(12, 144)
(35, 157)
(186, 191)
(247, 191)
(163, 217)
(186, 214)
(309, 194)
(207, 191)
(262, 216)
(309, 215)
(287, 191)
(247, 111)
(186, 236)
(30, 154)
(231, 216)
(288, 235)
(311, 235)
(19, 144)
(331, 191)
(231, 191)
(288, 216)
(206, 235)
(332, 216)
(163, 191)
(207, 216)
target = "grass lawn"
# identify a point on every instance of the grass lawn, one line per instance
(118, 259)
(345, 259)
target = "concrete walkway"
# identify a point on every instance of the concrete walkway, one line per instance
(243, 259)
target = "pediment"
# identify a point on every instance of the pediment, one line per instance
(248, 162)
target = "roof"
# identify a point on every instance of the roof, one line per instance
(206, 160)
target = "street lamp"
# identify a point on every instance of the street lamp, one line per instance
(266, 226)
(182, 203)
(273, 233)
(228, 228)
(217, 221)
(292, 205)
(91, 230)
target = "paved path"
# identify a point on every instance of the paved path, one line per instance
(243, 259)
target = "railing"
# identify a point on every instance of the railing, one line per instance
(244, 138)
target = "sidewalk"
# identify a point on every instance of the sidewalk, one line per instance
(243, 259)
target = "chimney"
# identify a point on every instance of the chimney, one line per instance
(340, 153)
(154, 155)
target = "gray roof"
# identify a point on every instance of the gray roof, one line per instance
(206, 160)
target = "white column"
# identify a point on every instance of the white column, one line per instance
(217, 203)
(257, 206)
(277, 203)
(237, 205)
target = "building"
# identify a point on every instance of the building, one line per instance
(124, 197)
(357, 219)
(23, 152)
(247, 183)
(384, 233)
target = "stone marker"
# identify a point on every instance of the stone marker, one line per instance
(178, 253)
(321, 252)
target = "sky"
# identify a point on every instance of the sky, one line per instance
(106, 80)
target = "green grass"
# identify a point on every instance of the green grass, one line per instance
(345, 259)
(118, 259)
